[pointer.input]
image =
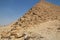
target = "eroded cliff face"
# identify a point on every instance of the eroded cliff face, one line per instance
(41, 22)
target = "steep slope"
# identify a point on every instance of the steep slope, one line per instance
(41, 22)
(41, 12)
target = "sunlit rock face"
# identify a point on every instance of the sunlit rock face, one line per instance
(45, 31)
(41, 22)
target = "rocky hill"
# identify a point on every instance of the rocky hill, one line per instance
(41, 22)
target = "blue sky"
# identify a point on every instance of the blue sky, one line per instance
(11, 10)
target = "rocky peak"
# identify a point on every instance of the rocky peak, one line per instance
(40, 22)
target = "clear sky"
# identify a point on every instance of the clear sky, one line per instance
(11, 10)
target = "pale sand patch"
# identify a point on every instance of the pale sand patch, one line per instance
(47, 30)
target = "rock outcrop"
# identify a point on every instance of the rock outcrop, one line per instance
(41, 22)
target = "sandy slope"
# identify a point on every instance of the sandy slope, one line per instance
(45, 31)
